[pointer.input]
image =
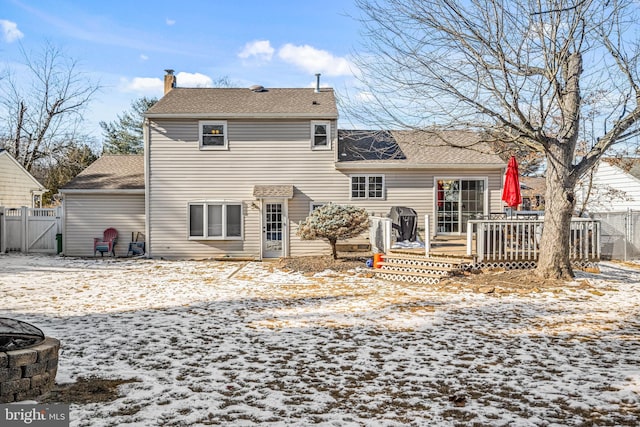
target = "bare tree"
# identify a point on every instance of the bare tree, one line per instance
(518, 71)
(41, 105)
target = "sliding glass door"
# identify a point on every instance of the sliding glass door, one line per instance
(457, 201)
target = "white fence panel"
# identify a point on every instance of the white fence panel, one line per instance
(30, 230)
(14, 230)
(42, 227)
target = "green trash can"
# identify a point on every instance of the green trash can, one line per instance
(59, 241)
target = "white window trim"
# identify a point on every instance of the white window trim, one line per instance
(202, 123)
(205, 215)
(366, 197)
(313, 134)
(315, 205)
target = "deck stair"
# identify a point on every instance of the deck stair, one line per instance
(419, 269)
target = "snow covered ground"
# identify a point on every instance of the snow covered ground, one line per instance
(246, 344)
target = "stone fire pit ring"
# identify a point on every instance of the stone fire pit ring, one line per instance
(28, 361)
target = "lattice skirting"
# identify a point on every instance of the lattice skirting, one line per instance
(528, 264)
(418, 268)
(398, 277)
(422, 262)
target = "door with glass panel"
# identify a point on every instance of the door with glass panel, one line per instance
(458, 201)
(273, 234)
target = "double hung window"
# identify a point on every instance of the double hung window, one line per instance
(320, 135)
(213, 135)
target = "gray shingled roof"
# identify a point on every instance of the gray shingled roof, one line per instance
(461, 149)
(228, 103)
(111, 172)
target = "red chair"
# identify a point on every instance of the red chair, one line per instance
(107, 243)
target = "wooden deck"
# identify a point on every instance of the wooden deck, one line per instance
(448, 246)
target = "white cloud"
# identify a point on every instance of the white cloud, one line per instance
(143, 85)
(193, 80)
(155, 85)
(143, 57)
(10, 31)
(170, 21)
(315, 60)
(260, 49)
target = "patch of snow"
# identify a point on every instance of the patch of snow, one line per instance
(247, 344)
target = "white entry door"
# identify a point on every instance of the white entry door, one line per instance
(273, 229)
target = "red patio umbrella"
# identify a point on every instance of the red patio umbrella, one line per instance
(511, 191)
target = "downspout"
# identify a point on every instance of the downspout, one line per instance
(147, 144)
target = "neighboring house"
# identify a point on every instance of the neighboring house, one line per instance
(613, 186)
(232, 172)
(17, 187)
(532, 189)
(108, 193)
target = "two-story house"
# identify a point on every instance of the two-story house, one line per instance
(234, 171)
(231, 172)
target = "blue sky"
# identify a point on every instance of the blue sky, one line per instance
(126, 45)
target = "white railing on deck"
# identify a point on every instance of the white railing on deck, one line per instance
(381, 236)
(519, 239)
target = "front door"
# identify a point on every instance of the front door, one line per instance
(273, 229)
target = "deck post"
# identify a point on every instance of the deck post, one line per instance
(387, 235)
(470, 238)
(427, 236)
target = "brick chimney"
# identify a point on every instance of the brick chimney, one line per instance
(169, 81)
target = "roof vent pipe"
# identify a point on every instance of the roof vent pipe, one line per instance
(317, 83)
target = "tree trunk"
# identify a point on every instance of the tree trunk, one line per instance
(554, 259)
(334, 250)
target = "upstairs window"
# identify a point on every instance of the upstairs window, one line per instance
(213, 135)
(367, 187)
(320, 136)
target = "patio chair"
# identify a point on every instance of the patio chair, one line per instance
(106, 243)
(136, 247)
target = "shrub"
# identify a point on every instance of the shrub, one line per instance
(334, 222)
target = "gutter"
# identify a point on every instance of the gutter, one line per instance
(102, 191)
(218, 116)
(416, 166)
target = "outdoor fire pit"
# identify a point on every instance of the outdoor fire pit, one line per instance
(28, 361)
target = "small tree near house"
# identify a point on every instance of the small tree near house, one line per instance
(334, 222)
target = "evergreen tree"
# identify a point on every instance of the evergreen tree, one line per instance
(334, 222)
(125, 136)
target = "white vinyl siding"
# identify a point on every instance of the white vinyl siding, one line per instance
(17, 186)
(612, 190)
(87, 215)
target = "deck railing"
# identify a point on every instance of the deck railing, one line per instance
(519, 239)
